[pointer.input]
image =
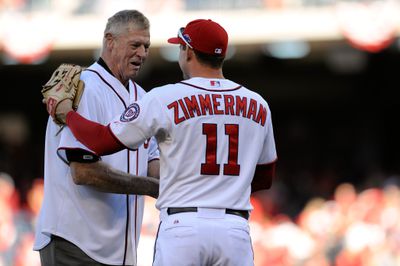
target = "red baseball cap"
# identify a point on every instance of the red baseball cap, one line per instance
(203, 35)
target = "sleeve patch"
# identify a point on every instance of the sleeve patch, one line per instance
(130, 113)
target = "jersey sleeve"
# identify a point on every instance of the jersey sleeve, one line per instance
(268, 154)
(90, 107)
(140, 121)
(154, 154)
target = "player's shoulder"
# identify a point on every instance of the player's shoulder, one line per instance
(90, 71)
(92, 74)
(256, 96)
(253, 94)
(95, 78)
(159, 94)
(166, 89)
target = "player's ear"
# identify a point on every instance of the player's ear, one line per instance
(109, 40)
(189, 54)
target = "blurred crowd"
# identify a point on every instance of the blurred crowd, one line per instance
(351, 228)
(17, 222)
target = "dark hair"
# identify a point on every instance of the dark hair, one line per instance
(210, 60)
(207, 59)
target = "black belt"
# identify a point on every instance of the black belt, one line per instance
(243, 214)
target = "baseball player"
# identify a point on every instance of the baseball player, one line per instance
(216, 147)
(79, 224)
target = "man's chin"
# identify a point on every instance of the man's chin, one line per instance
(133, 74)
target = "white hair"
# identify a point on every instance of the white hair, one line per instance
(125, 20)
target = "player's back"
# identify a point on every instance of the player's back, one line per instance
(219, 131)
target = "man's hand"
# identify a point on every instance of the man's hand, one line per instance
(62, 110)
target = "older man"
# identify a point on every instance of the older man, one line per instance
(79, 223)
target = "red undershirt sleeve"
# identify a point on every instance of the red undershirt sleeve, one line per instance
(93, 135)
(263, 177)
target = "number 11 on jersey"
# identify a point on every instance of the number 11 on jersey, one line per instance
(210, 167)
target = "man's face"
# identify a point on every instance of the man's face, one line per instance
(129, 51)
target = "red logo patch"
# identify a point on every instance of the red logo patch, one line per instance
(130, 113)
(215, 83)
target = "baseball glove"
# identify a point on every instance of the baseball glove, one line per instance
(64, 84)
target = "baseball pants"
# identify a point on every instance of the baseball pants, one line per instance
(60, 252)
(207, 237)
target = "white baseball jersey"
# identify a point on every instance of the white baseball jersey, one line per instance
(94, 221)
(211, 135)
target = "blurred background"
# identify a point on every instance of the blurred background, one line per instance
(326, 67)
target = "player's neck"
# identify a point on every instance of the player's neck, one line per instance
(207, 73)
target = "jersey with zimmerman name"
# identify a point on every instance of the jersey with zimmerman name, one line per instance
(212, 133)
(101, 224)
